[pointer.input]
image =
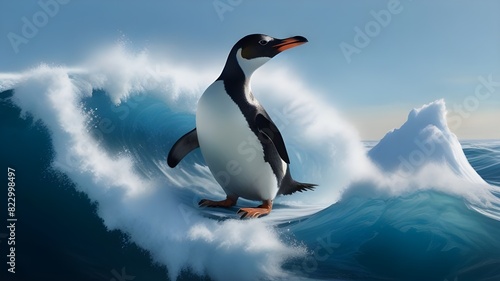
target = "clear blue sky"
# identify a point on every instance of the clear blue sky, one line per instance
(428, 50)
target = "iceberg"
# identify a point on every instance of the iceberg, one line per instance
(423, 139)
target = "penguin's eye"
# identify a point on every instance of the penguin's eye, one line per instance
(263, 42)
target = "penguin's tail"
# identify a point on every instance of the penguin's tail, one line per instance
(291, 186)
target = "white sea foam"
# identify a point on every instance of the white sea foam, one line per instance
(153, 216)
(155, 212)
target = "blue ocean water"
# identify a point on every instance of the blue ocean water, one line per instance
(74, 225)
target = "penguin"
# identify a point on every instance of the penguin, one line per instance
(240, 143)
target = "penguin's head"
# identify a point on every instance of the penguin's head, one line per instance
(252, 51)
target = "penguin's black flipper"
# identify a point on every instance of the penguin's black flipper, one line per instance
(268, 128)
(182, 147)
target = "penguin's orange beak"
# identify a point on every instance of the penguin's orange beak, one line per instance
(288, 43)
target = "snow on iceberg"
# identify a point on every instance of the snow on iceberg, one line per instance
(422, 140)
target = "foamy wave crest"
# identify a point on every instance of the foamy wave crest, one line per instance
(150, 210)
(113, 119)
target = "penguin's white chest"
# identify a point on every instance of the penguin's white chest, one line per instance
(231, 150)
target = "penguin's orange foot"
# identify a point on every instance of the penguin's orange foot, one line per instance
(260, 211)
(226, 203)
